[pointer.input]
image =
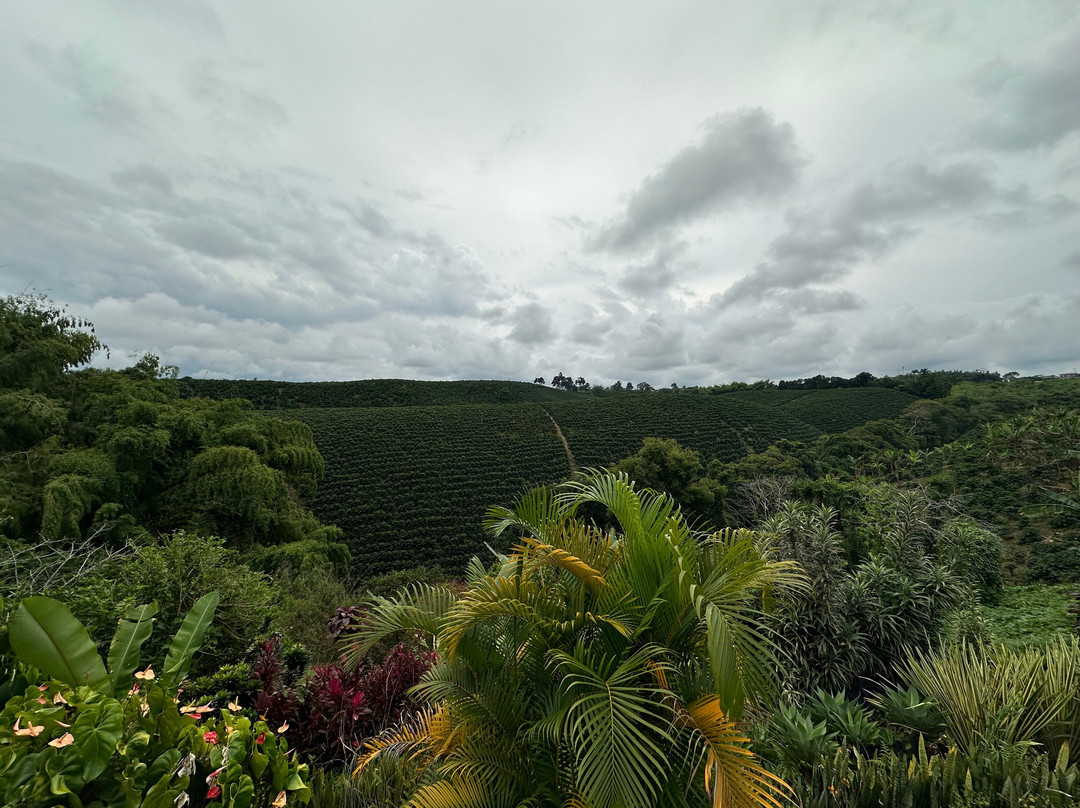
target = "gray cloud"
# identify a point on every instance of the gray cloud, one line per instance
(231, 104)
(1072, 260)
(878, 214)
(101, 89)
(532, 325)
(654, 276)
(290, 256)
(744, 156)
(1036, 106)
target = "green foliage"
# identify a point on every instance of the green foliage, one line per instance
(998, 779)
(46, 636)
(421, 476)
(39, 342)
(118, 453)
(850, 721)
(796, 740)
(1056, 561)
(859, 618)
(388, 583)
(306, 600)
(840, 410)
(64, 746)
(176, 571)
(273, 395)
(907, 709)
(1031, 615)
(975, 554)
(607, 667)
(664, 465)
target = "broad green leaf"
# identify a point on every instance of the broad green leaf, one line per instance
(134, 630)
(188, 639)
(97, 732)
(244, 792)
(45, 634)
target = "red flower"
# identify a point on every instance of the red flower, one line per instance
(210, 737)
(261, 739)
(213, 792)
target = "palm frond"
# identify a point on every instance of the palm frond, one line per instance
(618, 726)
(732, 772)
(419, 608)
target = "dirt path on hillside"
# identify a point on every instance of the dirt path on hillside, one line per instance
(574, 469)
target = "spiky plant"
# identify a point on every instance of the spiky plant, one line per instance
(590, 667)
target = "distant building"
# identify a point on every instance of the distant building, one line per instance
(1070, 376)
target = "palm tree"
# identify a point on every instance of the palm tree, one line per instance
(591, 667)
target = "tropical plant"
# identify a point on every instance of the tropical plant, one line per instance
(993, 698)
(604, 668)
(83, 733)
(44, 634)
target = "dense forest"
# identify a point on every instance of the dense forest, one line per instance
(818, 592)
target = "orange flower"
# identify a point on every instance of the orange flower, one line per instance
(64, 740)
(145, 675)
(282, 728)
(279, 801)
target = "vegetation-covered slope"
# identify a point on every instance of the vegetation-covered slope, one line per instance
(273, 395)
(603, 430)
(834, 410)
(409, 485)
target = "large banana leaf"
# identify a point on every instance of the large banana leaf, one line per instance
(134, 630)
(188, 639)
(45, 634)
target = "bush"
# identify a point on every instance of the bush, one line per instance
(306, 601)
(62, 746)
(177, 570)
(975, 554)
(1055, 562)
(337, 707)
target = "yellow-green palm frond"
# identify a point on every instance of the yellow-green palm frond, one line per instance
(563, 560)
(733, 775)
(426, 736)
(537, 512)
(456, 792)
(617, 725)
(419, 608)
(498, 598)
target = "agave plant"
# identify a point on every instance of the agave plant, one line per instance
(591, 667)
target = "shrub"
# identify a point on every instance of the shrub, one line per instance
(62, 746)
(1055, 562)
(178, 569)
(338, 706)
(975, 554)
(306, 600)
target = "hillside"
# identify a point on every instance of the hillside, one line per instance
(273, 395)
(410, 485)
(836, 410)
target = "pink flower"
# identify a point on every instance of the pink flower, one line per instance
(64, 740)
(31, 730)
(210, 737)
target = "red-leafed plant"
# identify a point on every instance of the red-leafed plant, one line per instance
(328, 716)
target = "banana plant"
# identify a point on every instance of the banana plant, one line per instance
(44, 634)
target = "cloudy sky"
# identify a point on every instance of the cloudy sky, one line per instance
(645, 191)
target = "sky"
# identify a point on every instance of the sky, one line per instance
(691, 192)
